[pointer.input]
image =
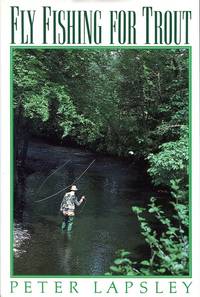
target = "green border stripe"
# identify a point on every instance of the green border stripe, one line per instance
(190, 161)
(11, 164)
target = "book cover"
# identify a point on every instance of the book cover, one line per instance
(99, 148)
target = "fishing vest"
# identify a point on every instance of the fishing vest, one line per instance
(69, 202)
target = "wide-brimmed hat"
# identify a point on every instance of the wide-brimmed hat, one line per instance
(74, 188)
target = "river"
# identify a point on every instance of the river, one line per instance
(102, 226)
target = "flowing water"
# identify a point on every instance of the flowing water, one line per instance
(103, 225)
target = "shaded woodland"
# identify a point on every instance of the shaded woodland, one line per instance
(114, 102)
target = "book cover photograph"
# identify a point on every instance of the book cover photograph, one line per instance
(99, 148)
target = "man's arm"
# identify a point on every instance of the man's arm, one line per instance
(80, 201)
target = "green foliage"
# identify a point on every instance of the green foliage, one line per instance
(169, 166)
(170, 249)
(122, 264)
(169, 244)
(43, 99)
(111, 101)
(84, 131)
(30, 89)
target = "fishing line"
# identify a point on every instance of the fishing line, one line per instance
(46, 198)
(51, 175)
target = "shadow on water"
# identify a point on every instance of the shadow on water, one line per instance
(102, 226)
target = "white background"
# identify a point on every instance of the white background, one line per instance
(86, 285)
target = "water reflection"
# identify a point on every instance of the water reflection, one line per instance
(106, 223)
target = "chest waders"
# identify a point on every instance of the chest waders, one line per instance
(67, 208)
(68, 223)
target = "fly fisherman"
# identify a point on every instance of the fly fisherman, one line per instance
(67, 208)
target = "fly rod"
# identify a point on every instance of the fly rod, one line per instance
(60, 191)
